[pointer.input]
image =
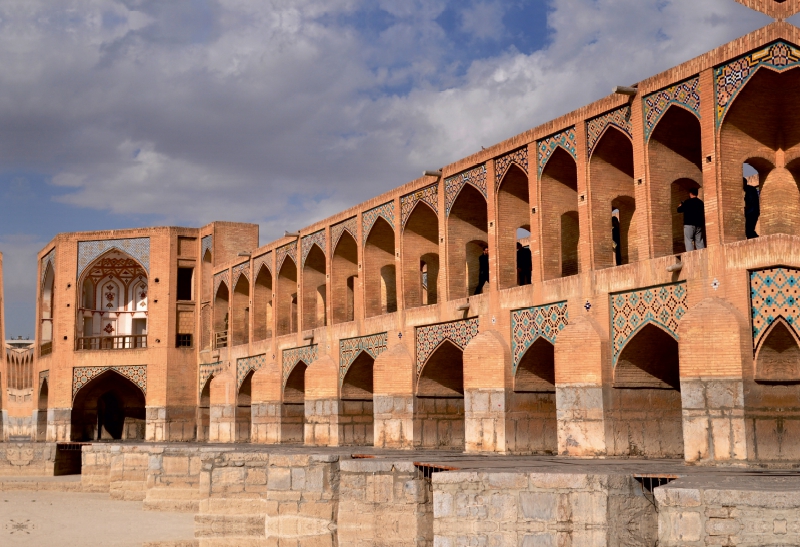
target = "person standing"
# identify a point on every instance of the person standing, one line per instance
(524, 265)
(694, 220)
(752, 209)
(483, 270)
(616, 240)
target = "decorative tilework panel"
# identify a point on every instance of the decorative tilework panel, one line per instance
(219, 278)
(83, 375)
(289, 250)
(48, 260)
(430, 337)
(138, 248)
(453, 185)
(774, 293)
(306, 354)
(630, 311)
(246, 364)
(317, 238)
(429, 195)
(260, 260)
(501, 164)
(530, 324)
(369, 217)
(337, 230)
(567, 140)
(596, 127)
(350, 348)
(656, 104)
(206, 371)
(207, 244)
(239, 270)
(731, 78)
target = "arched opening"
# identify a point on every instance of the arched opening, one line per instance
(344, 272)
(113, 311)
(772, 402)
(221, 316)
(243, 410)
(611, 172)
(679, 192)
(533, 404)
(356, 417)
(46, 310)
(475, 283)
(204, 411)
(41, 414)
(287, 297)
(379, 277)
(674, 152)
(467, 234)
(293, 412)
(513, 212)
(421, 257)
(208, 275)
(762, 123)
(262, 305)
(241, 311)
(524, 256)
(314, 289)
(560, 225)
(439, 408)
(645, 406)
(109, 407)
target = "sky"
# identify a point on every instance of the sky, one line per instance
(121, 114)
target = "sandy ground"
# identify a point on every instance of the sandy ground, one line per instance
(87, 520)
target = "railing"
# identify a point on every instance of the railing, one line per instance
(221, 339)
(132, 341)
(46, 349)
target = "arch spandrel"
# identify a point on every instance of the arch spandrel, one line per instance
(408, 203)
(530, 324)
(774, 294)
(137, 248)
(502, 164)
(596, 128)
(306, 354)
(351, 348)
(82, 376)
(318, 238)
(429, 338)
(475, 177)
(684, 95)
(566, 140)
(368, 218)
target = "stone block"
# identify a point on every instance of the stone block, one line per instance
(279, 478)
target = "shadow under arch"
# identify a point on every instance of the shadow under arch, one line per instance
(293, 412)
(421, 256)
(262, 304)
(243, 415)
(513, 212)
(560, 223)
(467, 223)
(380, 277)
(356, 418)
(108, 407)
(439, 401)
(204, 411)
(315, 295)
(532, 405)
(344, 274)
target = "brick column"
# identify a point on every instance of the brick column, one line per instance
(322, 404)
(393, 398)
(487, 381)
(222, 421)
(714, 344)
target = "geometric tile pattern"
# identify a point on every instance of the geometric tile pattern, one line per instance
(567, 139)
(306, 354)
(429, 194)
(289, 250)
(338, 229)
(430, 337)
(246, 364)
(619, 118)
(317, 238)
(630, 311)
(138, 248)
(530, 324)
(206, 370)
(240, 269)
(206, 244)
(83, 375)
(369, 217)
(350, 348)
(774, 293)
(265, 259)
(517, 157)
(731, 78)
(48, 260)
(219, 278)
(656, 104)
(453, 185)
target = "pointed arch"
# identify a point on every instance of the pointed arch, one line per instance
(536, 371)
(46, 306)
(649, 359)
(513, 213)
(439, 409)
(467, 235)
(109, 406)
(421, 256)
(243, 409)
(240, 312)
(315, 292)
(380, 286)
(262, 304)
(204, 410)
(221, 317)
(777, 358)
(344, 273)
(287, 297)
(560, 223)
(293, 406)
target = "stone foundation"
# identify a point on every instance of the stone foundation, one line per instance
(439, 422)
(59, 424)
(394, 421)
(322, 422)
(222, 424)
(170, 424)
(265, 423)
(581, 420)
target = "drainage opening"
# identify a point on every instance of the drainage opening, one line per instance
(648, 483)
(426, 470)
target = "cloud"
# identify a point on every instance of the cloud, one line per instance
(19, 280)
(281, 112)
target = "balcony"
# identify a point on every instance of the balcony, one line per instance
(135, 341)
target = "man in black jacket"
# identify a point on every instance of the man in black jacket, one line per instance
(694, 220)
(483, 270)
(752, 209)
(524, 265)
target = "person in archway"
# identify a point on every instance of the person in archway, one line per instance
(694, 220)
(615, 237)
(524, 265)
(483, 270)
(752, 209)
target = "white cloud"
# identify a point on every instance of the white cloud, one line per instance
(483, 20)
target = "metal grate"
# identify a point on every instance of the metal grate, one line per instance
(648, 483)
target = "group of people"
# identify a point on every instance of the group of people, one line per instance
(694, 222)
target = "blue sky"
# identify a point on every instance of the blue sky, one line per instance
(131, 113)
